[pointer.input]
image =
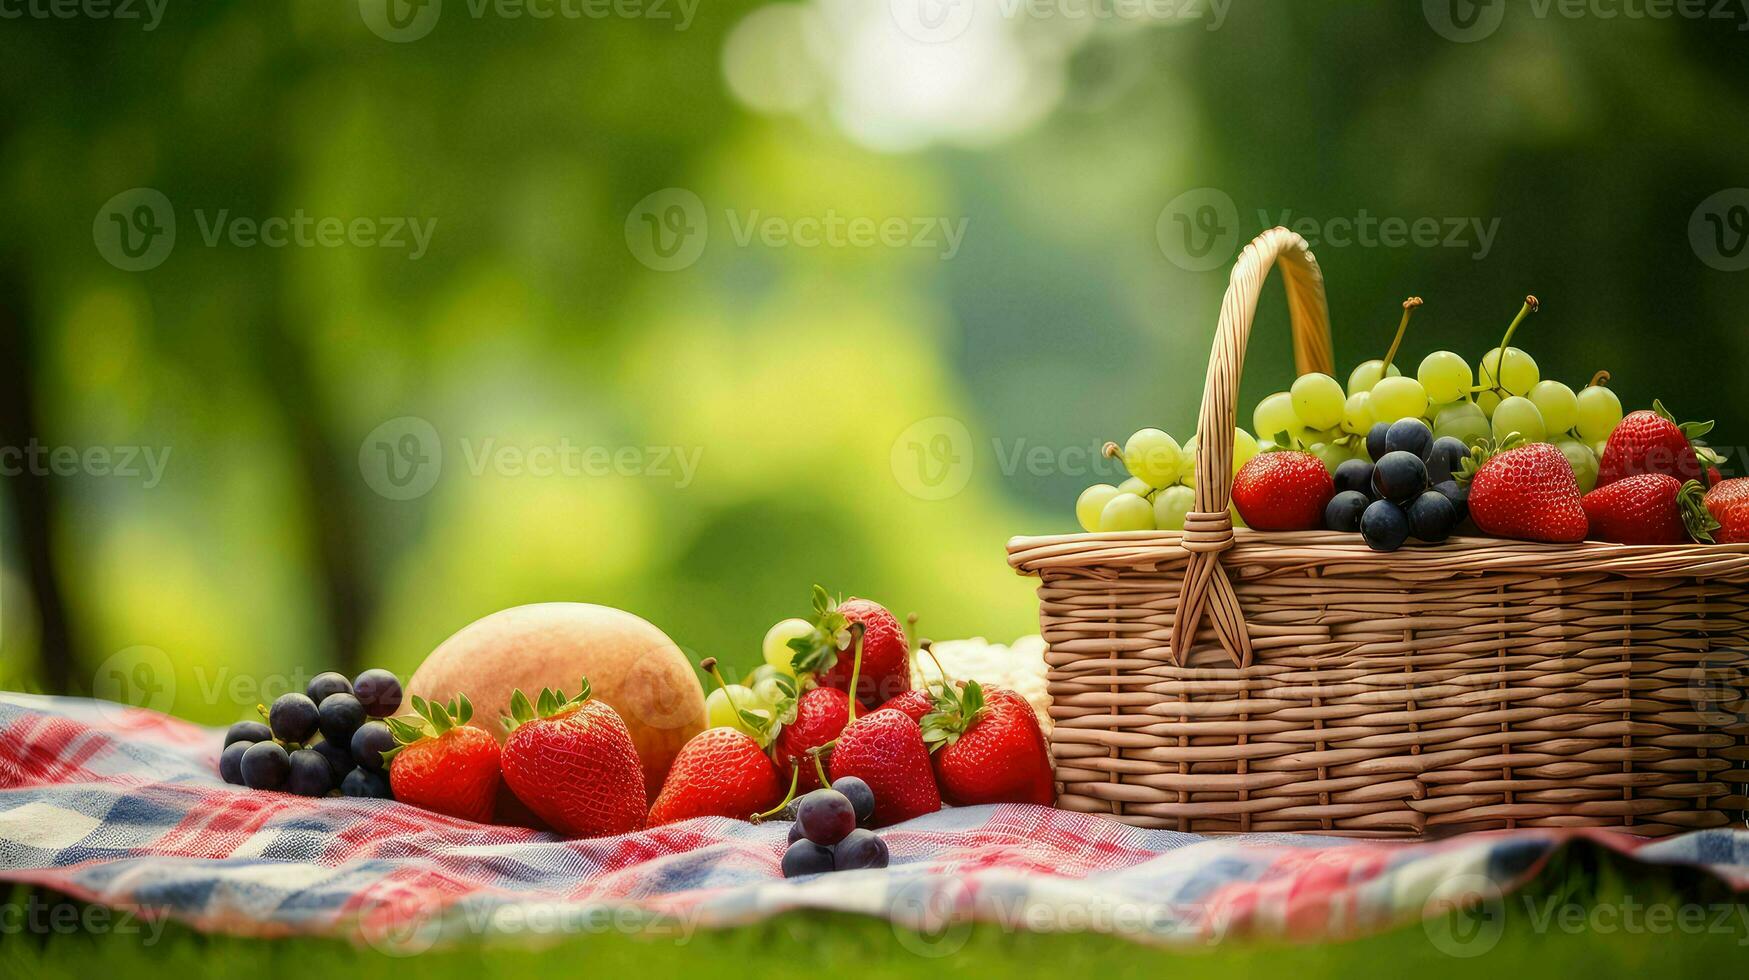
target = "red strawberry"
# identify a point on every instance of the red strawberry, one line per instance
(820, 715)
(1650, 508)
(1651, 442)
(988, 747)
(571, 760)
(720, 772)
(1728, 502)
(1283, 491)
(1526, 492)
(915, 704)
(442, 763)
(885, 750)
(886, 653)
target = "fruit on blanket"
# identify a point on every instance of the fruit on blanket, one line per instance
(860, 849)
(370, 744)
(631, 665)
(1650, 508)
(826, 816)
(885, 750)
(829, 819)
(338, 716)
(379, 691)
(265, 766)
(326, 683)
(827, 651)
(573, 762)
(310, 774)
(231, 762)
(338, 755)
(292, 718)
(988, 747)
(821, 714)
(1652, 442)
(442, 763)
(365, 784)
(804, 857)
(1728, 503)
(860, 796)
(721, 772)
(247, 731)
(1526, 492)
(1283, 491)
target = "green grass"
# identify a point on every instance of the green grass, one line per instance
(1570, 923)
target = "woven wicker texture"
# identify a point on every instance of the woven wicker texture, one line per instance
(1315, 685)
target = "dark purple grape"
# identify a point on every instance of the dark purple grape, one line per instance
(379, 691)
(1458, 494)
(365, 784)
(826, 816)
(860, 796)
(292, 717)
(795, 832)
(339, 757)
(1432, 517)
(1384, 526)
(1354, 474)
(265, 765)
(862, 849)
(1343, 511)
(1375, 440)
(372, 739)
(1400, 476)
(231, 762)
(310, 774)
(339, 716)
(805, 857)
(1443, 460)
(1409, 436)
(326, 683)
(247, 731)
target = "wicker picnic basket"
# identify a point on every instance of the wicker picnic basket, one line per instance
(1314, 685)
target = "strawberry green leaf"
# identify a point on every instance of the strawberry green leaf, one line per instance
(1695, 517)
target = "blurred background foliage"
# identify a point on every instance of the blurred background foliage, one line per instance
(795, 373)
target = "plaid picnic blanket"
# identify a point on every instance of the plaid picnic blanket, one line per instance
(123, 807)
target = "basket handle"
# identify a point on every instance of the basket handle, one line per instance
(1208, 530)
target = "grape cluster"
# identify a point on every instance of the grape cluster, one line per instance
(1409, 492)
(1160, 489)
(323, 739)
(766, 693)
(829, 833)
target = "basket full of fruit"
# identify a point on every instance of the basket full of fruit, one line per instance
(1406, 606)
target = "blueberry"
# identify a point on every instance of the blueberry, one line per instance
(861, 797)
(1375, 440)
(1432, 517)
(292, 717)
(365, 784)
(805, 857)
(231, 762)
(1343, 511)
(795, 832)
(1400, 476)
(310, 774)
(326, 683)
(1354, 474)
(372, 739)
(862, 849)
(1458, 494)
(1409, 436)
(826, 816)
(339, 716)
(1384, 526)
(248, 731)
(265, 765)
(1443, 460)
(379, 691)
(338, 755)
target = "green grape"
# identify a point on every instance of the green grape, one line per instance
(776, 649)
(1598, 413)
(1487, 401)
(1454, 412)
(1463, 421)
(1517, 377)
(1087, 510)
(1331, 454)
(1584, 463)
(720, 707)
(1170, 507)
(1245, 448)
(767, 688)
(1127, 512)
(1369, 373)
(1445, 375)
(1519, 414)
(1317, 400)
(1135, 485)
(1275, 415)
(1398, 398)
(1357, 414)
(1598, 447)
(1560, 407)
(1153, 457)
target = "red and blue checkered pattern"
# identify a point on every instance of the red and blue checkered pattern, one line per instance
(124, 807)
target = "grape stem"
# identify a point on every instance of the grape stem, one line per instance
(1530, 306)
(709, 666)
(795, 776)
(856, 631)
(1410, 305)
(1600, 378)
(819, 770)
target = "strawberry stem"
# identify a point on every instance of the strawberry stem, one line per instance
(795, 774)
(856, 631)
(1410, 305)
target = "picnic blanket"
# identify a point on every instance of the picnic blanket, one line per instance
(123, 807)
